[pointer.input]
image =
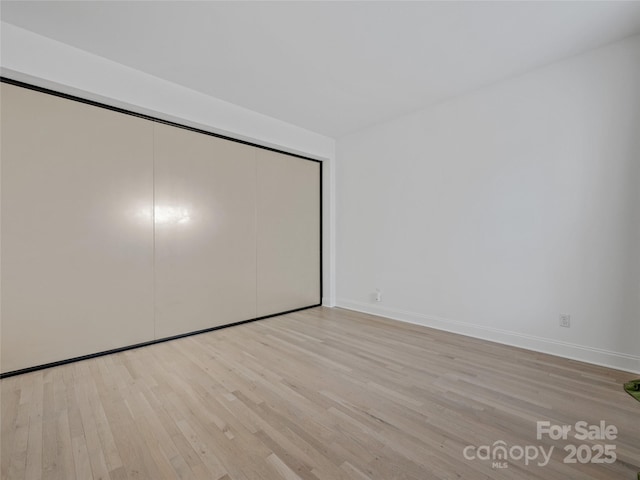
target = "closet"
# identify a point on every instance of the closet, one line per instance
(119, 229)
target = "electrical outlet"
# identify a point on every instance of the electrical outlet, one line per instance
(565, 321)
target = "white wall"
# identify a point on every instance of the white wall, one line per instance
(35, 59)
(492, 213)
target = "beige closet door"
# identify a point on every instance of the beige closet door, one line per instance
(288, 242)
(205, 231)
(76, 246)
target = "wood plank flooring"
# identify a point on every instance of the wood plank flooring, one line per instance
(318, 394)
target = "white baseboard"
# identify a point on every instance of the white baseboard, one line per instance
(605, 358)
(328, 302)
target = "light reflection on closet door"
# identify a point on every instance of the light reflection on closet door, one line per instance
(288, 242)
(204, 218)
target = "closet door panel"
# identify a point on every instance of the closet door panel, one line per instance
(288, 237)
(204, 231)
(77, 248)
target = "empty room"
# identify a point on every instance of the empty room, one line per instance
(319, 240)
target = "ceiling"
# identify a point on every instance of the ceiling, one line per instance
(330, 67)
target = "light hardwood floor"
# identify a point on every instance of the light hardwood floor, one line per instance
(318, 394)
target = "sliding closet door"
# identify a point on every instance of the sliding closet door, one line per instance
(205, 224)
(288, 240)
(76, 244)
(119, 230)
